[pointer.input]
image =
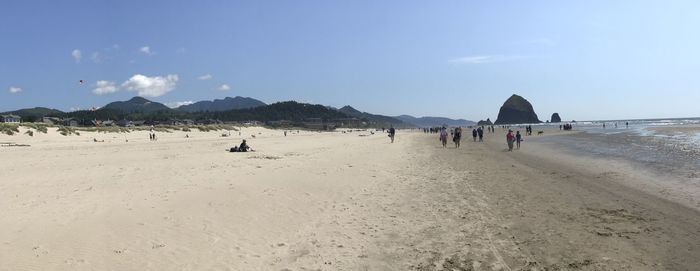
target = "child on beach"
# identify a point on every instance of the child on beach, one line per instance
(518, 138)
(474, 134)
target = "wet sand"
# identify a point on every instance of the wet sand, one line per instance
(328, 201)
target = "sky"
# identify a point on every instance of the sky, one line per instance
(586, 60)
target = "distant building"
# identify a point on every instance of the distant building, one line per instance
(51, 120)
(348, 122)
(125, 123)
(70, 122)
(10, 119)
(138, 123)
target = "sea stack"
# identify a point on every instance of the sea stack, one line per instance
(516, 110)
(555, 118)
(486, 122)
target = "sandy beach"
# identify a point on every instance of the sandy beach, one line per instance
(330, 201)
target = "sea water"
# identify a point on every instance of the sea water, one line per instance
(668, 146)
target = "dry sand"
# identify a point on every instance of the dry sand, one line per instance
(325, 201)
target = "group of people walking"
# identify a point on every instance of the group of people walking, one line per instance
(512, 139)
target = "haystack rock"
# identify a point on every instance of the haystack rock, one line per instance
(516, 110)
(555, 118)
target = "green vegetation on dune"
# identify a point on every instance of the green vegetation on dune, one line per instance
(66, 131)
(9, 129)
(36, 126)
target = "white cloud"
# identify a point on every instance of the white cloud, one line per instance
(105, 87)
(151, 86)
(77, 55)
(96, 57)
(146, 50)
(485, 59)
(205, 77)
(178, 104)
(224, 87)
(15, 89)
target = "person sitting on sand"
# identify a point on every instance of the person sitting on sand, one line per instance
(242, 148)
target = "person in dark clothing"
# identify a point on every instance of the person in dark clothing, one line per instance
(242, 148)
(457, 136)
(518, 138)
(480, 132)
(392, 133)
(474, 134)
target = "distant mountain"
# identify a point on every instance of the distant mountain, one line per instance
(137, 105)
(516, 110)
(434, 121)
(36, 112)
(227, 103)
(290, 111)
(372, 118)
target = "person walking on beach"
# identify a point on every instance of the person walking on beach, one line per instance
(510, 138)
(392, 133)
(480, 132)
(443, 137)
(518, 138)
(474, 134)
(457, 136)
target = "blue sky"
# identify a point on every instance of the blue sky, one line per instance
(586, 60)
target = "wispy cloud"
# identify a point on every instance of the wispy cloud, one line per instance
(151, 86)
(224, 87)
(536, 41)
(146, 50)
(104, 87)
(178, 104)
(77, 55)
(205, 77)
(15, 90)
(486, 59)
(96, 57)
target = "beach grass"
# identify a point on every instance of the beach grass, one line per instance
(43, 128)
(9, 129)
(66, 131)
